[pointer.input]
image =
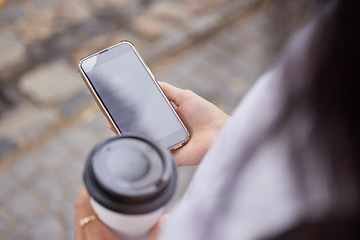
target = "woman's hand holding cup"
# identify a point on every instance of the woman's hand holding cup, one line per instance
(95, 229)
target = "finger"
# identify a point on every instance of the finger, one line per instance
(174, 94)
(82, 205)
(93, 230)
(96, 230)
(82, 209)
(183, 156)
(194, 150)
(110, 126)
(78, 234)
(154, 233)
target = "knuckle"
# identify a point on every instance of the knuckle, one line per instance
(188, 92)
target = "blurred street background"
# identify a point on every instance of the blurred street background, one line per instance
(49, 121)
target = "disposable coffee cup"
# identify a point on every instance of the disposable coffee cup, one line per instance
(130, 179)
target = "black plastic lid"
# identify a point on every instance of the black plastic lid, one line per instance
(130, 174)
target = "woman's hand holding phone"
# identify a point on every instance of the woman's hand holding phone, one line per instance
(203, 119)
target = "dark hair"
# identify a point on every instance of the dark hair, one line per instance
(319, 73)
(323, 86)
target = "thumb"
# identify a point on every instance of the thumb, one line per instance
(154, 233)
(174, 94)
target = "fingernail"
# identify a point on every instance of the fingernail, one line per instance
(163, 220)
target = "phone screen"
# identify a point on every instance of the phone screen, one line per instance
(131, 96)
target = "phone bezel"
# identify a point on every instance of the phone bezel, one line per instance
(103, 107)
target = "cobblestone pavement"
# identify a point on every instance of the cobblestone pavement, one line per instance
(48, 120)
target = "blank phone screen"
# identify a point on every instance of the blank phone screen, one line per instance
(131, 96)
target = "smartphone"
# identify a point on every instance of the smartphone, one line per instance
(129, 96)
